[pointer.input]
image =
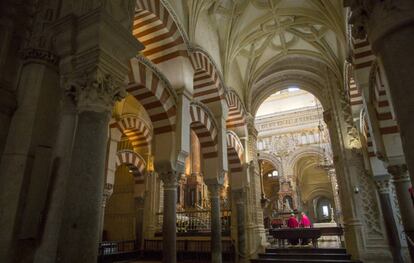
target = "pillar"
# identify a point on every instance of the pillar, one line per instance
(383, 185)
(402, 183)
(27, 154)
(241, 234)
(389, 27)
(169, 226)
(61, 158)
(79, 235)
(337, 202)
(214, 189)
(7, 107)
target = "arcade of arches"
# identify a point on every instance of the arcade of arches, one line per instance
(165, 121)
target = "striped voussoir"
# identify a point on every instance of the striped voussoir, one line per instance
(156, 29)
(135, 163)
(204, 127)
(136, 129)
(362, 54)
(155, 96)
(354, 93)
(207, 83)
(234, 153)
(237, 116)
(370, 145)
(387, 124)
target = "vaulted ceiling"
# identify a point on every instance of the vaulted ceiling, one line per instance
(256, 34)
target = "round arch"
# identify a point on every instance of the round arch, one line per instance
(235, 153)
(203, 124)
(154, 92)
(163, 36)
(301, 71)
(208, 82)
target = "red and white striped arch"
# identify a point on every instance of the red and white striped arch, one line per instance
(134, 161)
(157, 30)
(368, 138)
(136, 129)
(207, 83)
(362, 54)
(387, 125)
(234, 153)
(204, 126)
(237, 113)
(154, 94)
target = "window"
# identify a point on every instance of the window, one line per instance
(275, 173)
(325, 211)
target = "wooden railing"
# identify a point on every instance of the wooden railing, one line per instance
(110, 251)
(197, 221)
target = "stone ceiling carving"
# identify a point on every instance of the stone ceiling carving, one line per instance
(254, 34)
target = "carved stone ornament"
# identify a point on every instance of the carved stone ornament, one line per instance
(96, 92)
(42, 55)
(170, 179)
(383, 186)
(353, 138)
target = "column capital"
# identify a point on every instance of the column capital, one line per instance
(170, 179)
(378, 18)
(95, 91)
(399, 172)
(383, 184)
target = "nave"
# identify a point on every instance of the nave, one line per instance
(194, 130)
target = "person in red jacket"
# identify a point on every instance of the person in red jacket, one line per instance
(293, 223)
(305, 223)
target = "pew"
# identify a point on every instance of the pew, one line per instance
(282, 234)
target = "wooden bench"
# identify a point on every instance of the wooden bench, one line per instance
(283, 234)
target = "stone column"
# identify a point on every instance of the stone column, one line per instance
(26, 154)
(214, 189)
(337, 202)
(169, 226)
(241, 234)
(7, 107)
(79, 237)
(389, 26)
(383, 185)
(62, 154)
(402, 183)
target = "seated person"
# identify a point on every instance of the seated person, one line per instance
(293, 223)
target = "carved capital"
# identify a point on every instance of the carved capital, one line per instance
(399, 173)
(96, 91)
(383, 185)
(41, 55)
(170, 179)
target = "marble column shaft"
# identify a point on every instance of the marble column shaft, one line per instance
(214, 189)
(169, 225)
(28, 138)
(62, 154)
(383, 185)
(241, 234)
(402, 183)
(79, 236)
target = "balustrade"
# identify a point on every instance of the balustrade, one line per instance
(196, 221)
